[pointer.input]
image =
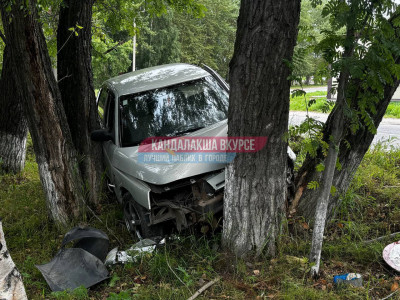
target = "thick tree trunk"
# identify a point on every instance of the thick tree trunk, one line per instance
(76, 86)
(13, 125)
(255, 190)
(11, 285)
(43, 108)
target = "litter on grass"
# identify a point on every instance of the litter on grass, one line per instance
(353, 279)
(391, 255)
(132, 254)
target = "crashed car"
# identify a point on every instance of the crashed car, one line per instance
(172, 100)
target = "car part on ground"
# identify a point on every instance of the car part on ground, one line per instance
(90, 239)
(132, 254)
(72, 268)
(83, 264)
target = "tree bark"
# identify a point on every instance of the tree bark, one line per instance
(255, 190)
(329, 83)
(75, 77)
(43, 108)
(11, 285)
(13, 125)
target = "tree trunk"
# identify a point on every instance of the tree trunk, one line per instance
(43, 108)
(255, 190)
(335, 139)
(13, 125)
(76, 86)
(11, 285)
(329, 83)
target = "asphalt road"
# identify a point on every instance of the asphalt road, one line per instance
(396, 96)
(388, 129)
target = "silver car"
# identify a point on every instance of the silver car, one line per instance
(171, 101)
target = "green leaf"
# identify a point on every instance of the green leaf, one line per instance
(333, 190)
(313, 185)
(320, 167)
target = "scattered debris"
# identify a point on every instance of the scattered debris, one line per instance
(391, 255)
(71, 268)
(203, 288)
(133, 253)
(90, 239)
(381, 238)
(353, 279)
(83, 264)
(390, 296)
(11, 285)
(394, 287)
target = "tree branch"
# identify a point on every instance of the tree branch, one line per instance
(113, 48)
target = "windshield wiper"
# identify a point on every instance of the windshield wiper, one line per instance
(188, 130)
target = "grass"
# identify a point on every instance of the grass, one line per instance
(370, 209)
(321, 105)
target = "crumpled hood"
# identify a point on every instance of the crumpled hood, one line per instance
(127, 161)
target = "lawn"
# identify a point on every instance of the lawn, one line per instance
(371, 208)
(319, 104)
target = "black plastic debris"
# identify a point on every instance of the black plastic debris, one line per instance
(71, 268)
(90, 239)
(83, 264)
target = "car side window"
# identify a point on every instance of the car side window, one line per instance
(110, 112)
(101, 104)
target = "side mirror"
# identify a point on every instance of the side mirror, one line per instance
(101, 135)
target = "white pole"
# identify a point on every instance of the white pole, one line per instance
(134, 48)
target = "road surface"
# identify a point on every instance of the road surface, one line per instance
(396, 96)
(388, 129)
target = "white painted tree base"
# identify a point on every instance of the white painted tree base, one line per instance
(11, 285)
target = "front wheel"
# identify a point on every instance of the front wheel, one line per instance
(136, 217)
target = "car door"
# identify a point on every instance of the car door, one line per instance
(106, 104)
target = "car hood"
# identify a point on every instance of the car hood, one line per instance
(127, 161)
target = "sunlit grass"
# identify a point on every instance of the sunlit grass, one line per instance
(319, 104)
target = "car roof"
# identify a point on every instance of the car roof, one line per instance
(155, 77)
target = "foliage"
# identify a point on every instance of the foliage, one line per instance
(307, 60)
(181, 37)
(210, 40)
(115, 22)
(158, 41)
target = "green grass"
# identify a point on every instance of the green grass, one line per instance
(393, 110)
(300, 104)
(370, 209)
(321, 105)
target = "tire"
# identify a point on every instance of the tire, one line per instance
(135, 217)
